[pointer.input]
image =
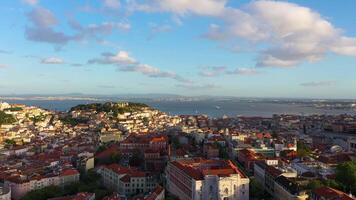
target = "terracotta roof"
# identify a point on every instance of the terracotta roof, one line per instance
(114, 196)
(331, 194)
(108, 152)
(158, 190)
(83, 196)
(129, 171)
(198, 168)
(69, 172)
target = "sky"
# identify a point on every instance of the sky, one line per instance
(263, 48)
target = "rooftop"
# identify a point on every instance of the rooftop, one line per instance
(198, 168)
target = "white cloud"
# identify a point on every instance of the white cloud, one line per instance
(42, 30)
(52, 60)
(212, 71)
(106, 86)
(5, 51)
(44, 22)
(156, 29)
(121, 58)
(218, 71)
(112, 4)
(180, 7)
(287, 33)
(30, 2)
(42, 17)
(318, 84)
(244, 71)
(152, 72)
(3, 66)
(94, 30)
(127, 63)
(194, 86)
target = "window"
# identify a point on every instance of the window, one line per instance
(210, 188)
(226, 191)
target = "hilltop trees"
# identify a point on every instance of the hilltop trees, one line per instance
(6, 118)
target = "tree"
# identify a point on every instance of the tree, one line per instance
(116, 158)
(346, 176)
(101, 148)
(145, 121)
(6, 118)
(10, 142)
(302, 150)
(315, 184)
(14, 109)
(43, 194)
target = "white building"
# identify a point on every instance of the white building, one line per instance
(20, 184)
(126, 181)
(200, 179)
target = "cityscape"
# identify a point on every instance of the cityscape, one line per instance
(177, 100)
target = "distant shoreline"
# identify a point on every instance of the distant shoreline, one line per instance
(231, 108)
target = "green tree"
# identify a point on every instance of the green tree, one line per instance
(315, 184)
(346, 176)
(302, 149)
(10, 142)
(13, 109)
(43, 194)
(6, 118)
(101, 148)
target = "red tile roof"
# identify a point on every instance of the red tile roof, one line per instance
(114, 196)
(332, 194)
(198, 168)
(69, 172)
(158, 190)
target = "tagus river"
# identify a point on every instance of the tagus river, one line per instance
(213, 108)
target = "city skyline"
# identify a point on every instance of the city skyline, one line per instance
(206, 47)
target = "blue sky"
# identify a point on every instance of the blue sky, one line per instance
(202, 47)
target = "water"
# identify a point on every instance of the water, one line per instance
(213, 108)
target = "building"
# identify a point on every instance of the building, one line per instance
(327, 193)
(352, 144)
(125, 180)
(211, 151)
(5, 192)
(143, 142)
(157, 194)
(267, 171)
(84, 161)
(110, 137)
(69, 176)
(260, 170)
(22, 184)
(200, 179)
(248, 157)
(316, 167)
(290, 189)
